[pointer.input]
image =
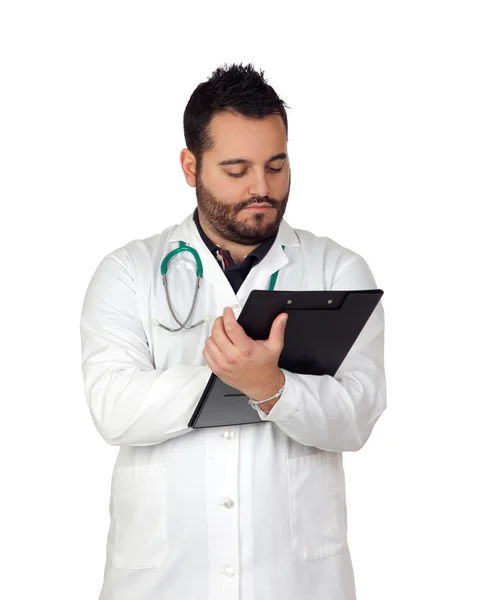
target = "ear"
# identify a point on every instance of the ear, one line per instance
(189, 167)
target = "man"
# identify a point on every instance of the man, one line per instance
(246, 512)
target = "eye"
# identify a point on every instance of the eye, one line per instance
(241, 174)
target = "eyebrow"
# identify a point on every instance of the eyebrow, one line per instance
(239, 161)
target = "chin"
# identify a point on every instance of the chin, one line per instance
(269, 215)
(257, 231)
(258, 222)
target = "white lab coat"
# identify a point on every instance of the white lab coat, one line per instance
(249, 512)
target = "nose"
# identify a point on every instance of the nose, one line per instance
(260, 185)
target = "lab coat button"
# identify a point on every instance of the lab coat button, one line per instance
(227, 503)
(229, 435)
(229, 572)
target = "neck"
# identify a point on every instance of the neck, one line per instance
(237, 251)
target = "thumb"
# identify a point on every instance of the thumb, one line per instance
(277, 332)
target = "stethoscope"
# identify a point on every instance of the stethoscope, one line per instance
(183, 247)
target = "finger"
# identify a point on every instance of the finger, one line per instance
(277, 333)
(210, 361)
(214, 352)
(221, 338)
(234, 330)
(218, 327)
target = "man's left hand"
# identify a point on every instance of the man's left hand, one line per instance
(250, 366)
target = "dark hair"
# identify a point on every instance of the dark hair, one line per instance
(237, 89)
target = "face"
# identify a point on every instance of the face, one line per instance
(243, 184)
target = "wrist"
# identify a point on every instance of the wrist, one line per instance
(273, 385)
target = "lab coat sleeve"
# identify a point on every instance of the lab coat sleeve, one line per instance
(338, 413)
(131, 402)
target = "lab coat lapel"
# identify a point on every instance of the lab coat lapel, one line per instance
(258, 277)
(187, 232)
(276, 258)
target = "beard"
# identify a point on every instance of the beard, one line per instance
(223, 217)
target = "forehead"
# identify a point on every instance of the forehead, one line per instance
(240, 136)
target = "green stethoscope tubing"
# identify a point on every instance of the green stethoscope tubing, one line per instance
(200, 273)
(182, 248)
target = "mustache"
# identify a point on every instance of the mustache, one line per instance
(265, 200)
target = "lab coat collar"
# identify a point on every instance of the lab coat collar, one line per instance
(258, 277)
(286, 235)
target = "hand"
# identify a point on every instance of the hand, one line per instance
(250, 366)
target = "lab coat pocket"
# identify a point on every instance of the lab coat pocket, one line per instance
(317, 505)
(139, 513)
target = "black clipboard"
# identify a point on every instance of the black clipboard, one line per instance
(321, 329)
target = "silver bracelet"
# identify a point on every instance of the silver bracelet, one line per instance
(255, 402)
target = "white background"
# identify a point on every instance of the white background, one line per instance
(389, 149)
